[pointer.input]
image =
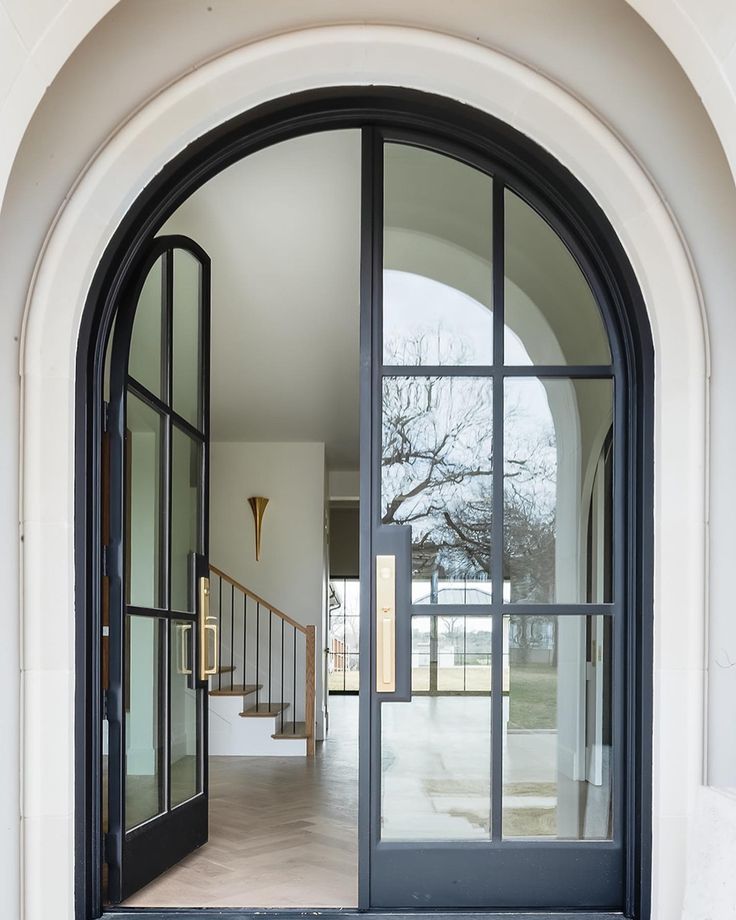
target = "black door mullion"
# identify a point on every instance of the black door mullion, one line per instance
(497, 554)
(575, 371)
(146, 396)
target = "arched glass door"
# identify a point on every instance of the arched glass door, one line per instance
(495, 594)
(160, 644)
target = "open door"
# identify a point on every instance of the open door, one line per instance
(162, 645)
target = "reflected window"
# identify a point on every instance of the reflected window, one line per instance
(554, 432)
(436, 750)
(558, 718)
(437, 279)
(343, 661)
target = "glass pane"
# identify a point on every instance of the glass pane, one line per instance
(436, 476)
(557, 506)
(185, 730)
(186, 346)
(436, 750)
(557, 779)
(437, 283)
(145, 791)
(551, 314)
(344, 657)
(186, 478)
(145, 363)
(144, 494)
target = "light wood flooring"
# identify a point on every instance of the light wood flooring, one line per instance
(283, 830)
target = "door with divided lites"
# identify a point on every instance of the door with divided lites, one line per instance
(494, 581)
(162, 644)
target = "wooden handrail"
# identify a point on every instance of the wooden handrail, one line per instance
(259, 600)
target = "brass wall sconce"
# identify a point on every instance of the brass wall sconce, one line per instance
(258, 507)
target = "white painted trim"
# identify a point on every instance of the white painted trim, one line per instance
(228, 85)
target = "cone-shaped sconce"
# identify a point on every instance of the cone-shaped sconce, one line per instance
(258, 507)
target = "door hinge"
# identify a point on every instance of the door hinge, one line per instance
(105, 416)
(105, 561)
(106, 705)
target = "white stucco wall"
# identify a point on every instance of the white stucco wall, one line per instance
(290, 572)
(651, 104)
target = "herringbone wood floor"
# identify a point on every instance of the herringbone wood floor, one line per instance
(283, 831)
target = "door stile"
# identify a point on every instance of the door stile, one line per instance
(496, 548)
(371, 173)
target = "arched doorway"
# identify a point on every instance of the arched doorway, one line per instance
(582, 592)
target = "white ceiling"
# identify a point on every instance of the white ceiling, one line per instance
(282, 229)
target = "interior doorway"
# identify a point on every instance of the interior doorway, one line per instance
(487, 412)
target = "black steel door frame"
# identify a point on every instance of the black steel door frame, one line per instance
(582, 225)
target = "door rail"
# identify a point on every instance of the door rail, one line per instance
(267, 653)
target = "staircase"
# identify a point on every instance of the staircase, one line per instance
(262, 696)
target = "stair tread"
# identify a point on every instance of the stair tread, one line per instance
(226, 669)
(263, 709)
(235, 690)
(291, 730)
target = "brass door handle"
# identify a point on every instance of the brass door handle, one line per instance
(207, 627)
(385, 624)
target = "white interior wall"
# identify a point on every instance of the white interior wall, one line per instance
(290, 573)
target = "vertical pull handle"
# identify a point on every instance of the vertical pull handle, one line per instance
(185, 631)
(207, 629)
(385, 624)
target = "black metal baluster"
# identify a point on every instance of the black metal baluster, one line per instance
(219, 634)
(245, 633)
(282, 676)
(258, 649)
(293, 721)
(270, 655)
(232, 634)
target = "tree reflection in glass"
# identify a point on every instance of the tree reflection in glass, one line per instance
(437, 465)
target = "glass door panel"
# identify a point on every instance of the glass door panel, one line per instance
(559, 708)
(436, 260)
(551, 315)
(186, 736)
(146, 362)
(157, 715)
(146, 487)
(436, 749)
(186, 523)
(145, 739)
(187, 345)
(495, 693)
(437, 477)
(554, 431)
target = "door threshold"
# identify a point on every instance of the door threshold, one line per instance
(348, 913)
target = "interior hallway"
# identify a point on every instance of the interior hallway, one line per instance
(283, 830)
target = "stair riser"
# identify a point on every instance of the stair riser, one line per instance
(231, 735)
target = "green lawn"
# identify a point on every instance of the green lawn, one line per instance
(533, 696)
